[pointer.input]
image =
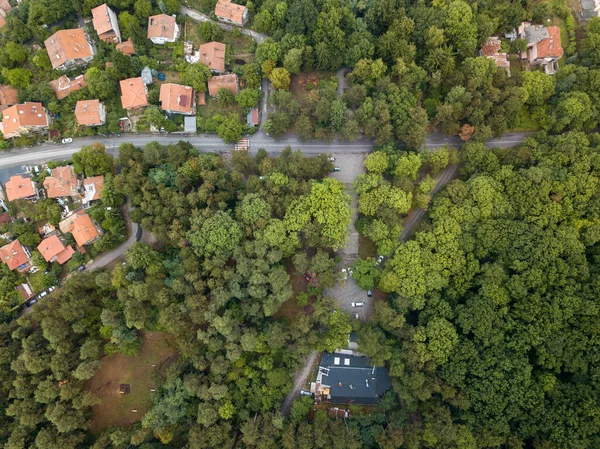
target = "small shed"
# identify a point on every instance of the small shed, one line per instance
(147, 75)
(252, 117)
(189, 124)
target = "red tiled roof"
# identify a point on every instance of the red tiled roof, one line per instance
(19, 187)
(28, 115)
(5, 218)
(66, 45)
(63, 182)
(8, 95)
(231, 11)
(550, 47)
(63, 86)
(177, 98)
(229, 82)
(133, 93)
(87, 112)
(93, 188)
(491, 46)
(161, 25)
(212, 55)
(13, 255)
(126, 47)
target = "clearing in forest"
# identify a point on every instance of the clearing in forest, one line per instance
(135, 371)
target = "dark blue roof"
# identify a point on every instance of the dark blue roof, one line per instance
(353, 379)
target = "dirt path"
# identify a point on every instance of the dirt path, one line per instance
(300, 380)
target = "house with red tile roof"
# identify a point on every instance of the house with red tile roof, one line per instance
(23, 119)
(177, 99)
(491, 49)
(8, 96)
(134, 93)
(106, 24)
(92, 188)
(69, 48)
(543, 46)
(81, 226)
(5, 7)
(212, 55)
(229, 12)
(62, 182)
(90, 113)
(54, 250)
(15, 256)
(20, 187)
(63, 86)
(126, 47)
(229, 82)
(162, 29)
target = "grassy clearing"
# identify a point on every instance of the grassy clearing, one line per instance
(366, 248)
(115, 409)
(302, 84)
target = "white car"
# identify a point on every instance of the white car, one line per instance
(380, 259)
(331, 159)
(67, 140)
(357, 304)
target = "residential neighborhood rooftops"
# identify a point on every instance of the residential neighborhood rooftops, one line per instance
(19, 187)
(92, 188)
(87, 112)
(177, 98)
(62, 182)
(133, 93)
(162, 25)
(8, 96)
(491, 46)
(14, 255)
(23, 115)
(212, 55)
(101, 19)
(81, 226)
(230, 11)
(65, 45)
(229, 82)
(53, 249)
(63, 86)
(551, 46)
(126, 47)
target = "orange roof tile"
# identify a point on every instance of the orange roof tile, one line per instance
(201, 101)
(14, 255)
(63, 86)
(65, 45)
(84, 230)
(126, 47)
(229, 82)
(5, 218)
(5, 6)
(133, 93)
(8, 95)
(2, 21)
(491, 46)
(161, 25)
(102, 23)
(550, 47)
(28, 115)
(231, 11)
(51, 247)
(177, 98)
(19, 187)
(88, 112)
(93, 188)
(63, 182)
(212, 55)
(67, 224)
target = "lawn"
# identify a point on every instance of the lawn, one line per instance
(303, 83)
(212, 107)
(366, 248)
(115, 409)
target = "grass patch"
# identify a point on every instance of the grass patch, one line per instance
(525, 123)
(303, 83)
(115, 409)
(366, 247)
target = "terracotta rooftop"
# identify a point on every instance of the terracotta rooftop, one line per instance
(229, 82)
(8, 96)
(14, 255)
(62, 182)
(2, 20)
(126, 47)
(161, 25)
(212, 55)
(201, 101)
(133, 93)
(93, 188)
(53, 248)
(5, 5)
(25, 291)
(101, 19)
(491, 46)
(80, 225)
(63, 86)
(231, 11)
(87, 112)
(23, 115)
(550, 47)
(65, 45)
(5, 218)
(177, 98)
(19, 187)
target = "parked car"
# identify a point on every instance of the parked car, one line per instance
(31, 302)
(67, 140)
(80, 268)
(51, 289)
(336, 168)
(331, 159)
(305, 393)
(380, 259)
(358, 304)
(369, 293)
(41, 295)
(344, 273)
(307, 277)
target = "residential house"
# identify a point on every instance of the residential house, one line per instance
(20, 187)
(105, 24)
(212, 55)
(252, 117)
(177, 99)
(126, 47)
(25, 291)
(92, 188)
(62, 182)
(16, 256)
(134, 93)
(90, 113)
(81, 226)
(63, 86)
(345, 378)
(5, 218)
(69, 48)
(491, 49)
(543, 46)
(162, 29)
(54, 250)
(24, 119)
(5, 7)
(229, 12)
(229, 82)
(8, 96)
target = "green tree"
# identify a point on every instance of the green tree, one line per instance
(196, 76)
(217, 235)
(280, 78)
(93, 160)
(248, 98)
(100, 84)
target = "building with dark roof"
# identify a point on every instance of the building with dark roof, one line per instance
(349, 379)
